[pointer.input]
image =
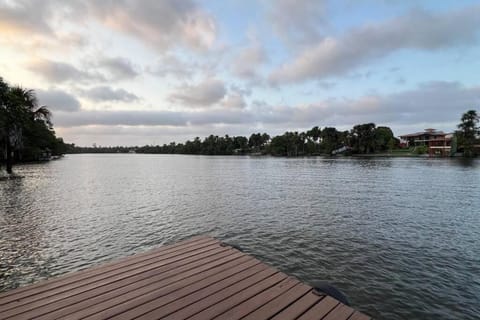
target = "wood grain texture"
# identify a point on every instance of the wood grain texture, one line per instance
(199, 278)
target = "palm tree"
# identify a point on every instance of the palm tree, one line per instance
(18, 108)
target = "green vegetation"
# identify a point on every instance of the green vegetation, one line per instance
(468, 134)
(26, 133)
(365, 138)
(420, 149)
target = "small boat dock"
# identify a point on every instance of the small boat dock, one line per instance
(200, 278)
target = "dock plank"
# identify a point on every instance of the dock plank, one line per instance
(76, 288)
(129, 295)
(48, 284)
(299, 307)
(320, 310)
(130, 283)
(67, 283)
(278, 304)
(199, 278)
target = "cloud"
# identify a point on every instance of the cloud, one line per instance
(58, 72)
(34, 25)
(248, 61)
(115, 118)
(118, 68)
(161, 24)
(106, 93)
(419, 30)
(206, 93)
(439, 103)
(58, 100)
(24, 16)
(297, 21)
(234, 100)
(170, 65)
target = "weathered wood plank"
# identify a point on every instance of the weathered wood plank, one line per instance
(258, 300)
(278, 304)
(29, 293)
(341, 312)
(219, 308)
(129, 295)
(299, 307)
(133, 282)
(199, 278)
(357, 315)
(76, 288)
(320, 310)
(44, 285)
(221, 295)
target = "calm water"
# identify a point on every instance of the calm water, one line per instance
(400, 237)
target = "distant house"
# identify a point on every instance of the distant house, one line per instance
(438, 143)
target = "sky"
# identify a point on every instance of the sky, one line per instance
(120, 72)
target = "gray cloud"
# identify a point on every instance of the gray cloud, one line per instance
(418, 30)
(170, 65)
(151, 118)
(297, 21)
(162, 24)
(118, 68)
(206, 93)
(433, 102)
(58, 100)
(248, 62)
(18, 16)
(114, 118)
(61, 72)
(234, 100)
(106, 93)
(32, 25)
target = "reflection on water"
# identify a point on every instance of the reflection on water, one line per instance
(401, 237)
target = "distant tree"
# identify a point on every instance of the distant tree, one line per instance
(468, 132)
(314, 134)
(257, 141)
(384, 139)
(363, 138)
(331, 139)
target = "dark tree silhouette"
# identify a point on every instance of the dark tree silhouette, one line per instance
(25, 127)
(469, 130)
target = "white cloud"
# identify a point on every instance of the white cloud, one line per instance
(249, 61)
(106, 93)
(234, 100)
(161, 24)
(206, 93)
(297, 21)
(435, 102)
(418, 30)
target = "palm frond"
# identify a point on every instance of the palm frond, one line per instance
(43, 113)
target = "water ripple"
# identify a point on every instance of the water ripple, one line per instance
(401, 237)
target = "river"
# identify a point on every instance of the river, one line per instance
(399, 236)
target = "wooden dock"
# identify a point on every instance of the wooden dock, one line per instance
(200, 278)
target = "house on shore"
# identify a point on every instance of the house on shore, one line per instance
(438, 143)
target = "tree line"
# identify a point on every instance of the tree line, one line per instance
(26, 132)
(363, 138)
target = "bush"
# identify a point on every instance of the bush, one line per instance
(421, 149)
